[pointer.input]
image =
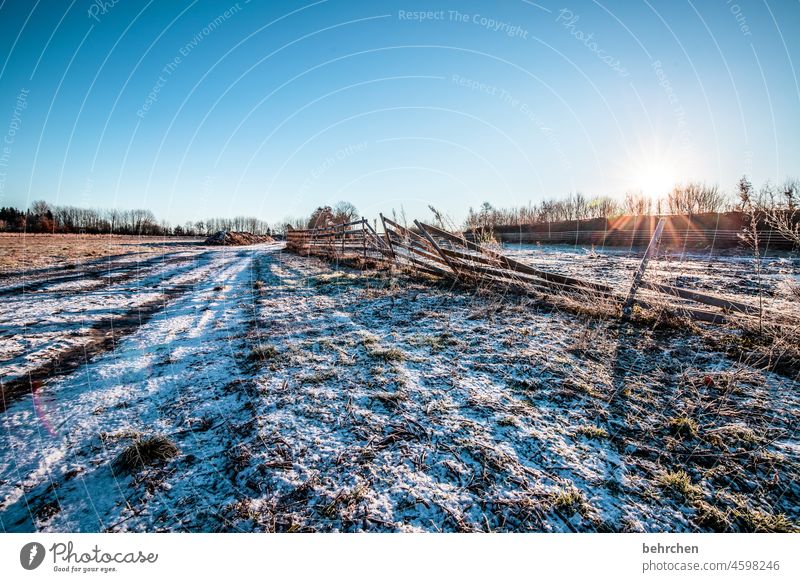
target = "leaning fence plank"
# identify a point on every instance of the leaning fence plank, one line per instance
(522, 267)
(436, 246)
(419, 252)
(379, 242)
(386, 234)
(637, 276)
(701, 297)
(497, 267)
(698, 314)
(409, 234)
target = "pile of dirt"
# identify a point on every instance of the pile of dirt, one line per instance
(229, 238)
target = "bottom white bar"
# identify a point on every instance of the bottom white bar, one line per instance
(400, 556)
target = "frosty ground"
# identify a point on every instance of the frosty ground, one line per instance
(305, 396)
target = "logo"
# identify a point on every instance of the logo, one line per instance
(31, 555)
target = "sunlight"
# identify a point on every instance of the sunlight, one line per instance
(653, 177)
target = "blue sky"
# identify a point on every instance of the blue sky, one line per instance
(198, 109)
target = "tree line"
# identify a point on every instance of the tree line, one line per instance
(690, 198)
(42, 217)
(777, 207)
(323, 216)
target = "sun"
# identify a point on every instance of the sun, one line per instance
(654, 177)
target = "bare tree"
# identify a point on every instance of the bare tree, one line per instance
(778, 208)
(321, 217)
(695, 198)
(637, 203)
(344, 212)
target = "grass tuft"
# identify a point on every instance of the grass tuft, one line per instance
(755, 521)
(683, 427)
(570, 501)
(709, 517)
(146, 451)
(679, 484)
(592, 432)
(388, 354)
(264, 352)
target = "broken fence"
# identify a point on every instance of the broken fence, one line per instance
(435, 251)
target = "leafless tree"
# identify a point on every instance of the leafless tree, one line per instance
(695, 198)
(344, 211)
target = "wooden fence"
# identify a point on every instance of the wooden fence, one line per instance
(434, 251)
(350, 240)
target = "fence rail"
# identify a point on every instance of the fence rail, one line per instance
(435, 251)
(350, 240)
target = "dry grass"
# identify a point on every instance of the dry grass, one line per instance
(683, 427)
(756, 521)
(679, 484)
(570, 501)
(711, 518)
(388, 354)
(264, 352)
(145, 451)
(651, 390)
(592, 432)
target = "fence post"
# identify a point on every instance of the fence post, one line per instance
(627, 307)
(386, 234)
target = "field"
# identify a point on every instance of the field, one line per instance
(49, 252)
(190, 388)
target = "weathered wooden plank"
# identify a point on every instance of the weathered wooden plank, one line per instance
(522, 267)
(420, 252)
(416, 246)
(411, 234)
(386, 234)
(337, 234)
(701, 297)
(698, 314)
(521, 278)
(637, 276)
(377, 241)
(432, 268)
(436, 246)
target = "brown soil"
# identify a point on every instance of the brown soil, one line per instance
(237, 239)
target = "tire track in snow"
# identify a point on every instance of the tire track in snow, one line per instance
(103, 334)
(99, 276)
(168, 376)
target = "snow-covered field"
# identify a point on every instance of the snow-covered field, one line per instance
(306, 397)
(734, 276)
